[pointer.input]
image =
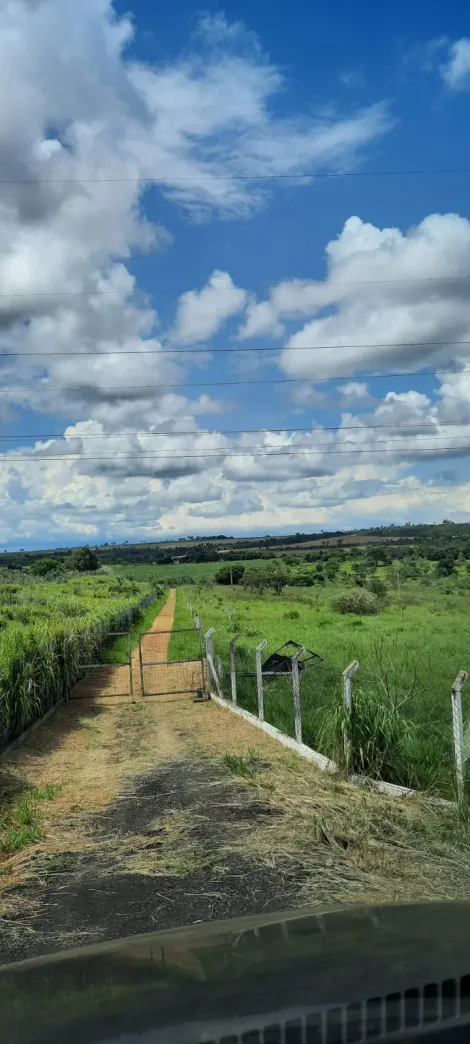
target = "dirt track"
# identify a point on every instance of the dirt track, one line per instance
(151, 828)
(114, 681)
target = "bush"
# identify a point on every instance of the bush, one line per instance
(43, 566)
(84, 560)
(358, 601)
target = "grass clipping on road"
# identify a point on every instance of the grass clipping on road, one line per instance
(351, 845)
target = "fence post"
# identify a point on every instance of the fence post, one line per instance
(457, 725)
(209, 642)
(141, 666)
(347, 700)
(131, 680)
(233, 668)
(259, 678)
(210, 660)
(198, 626)
(296, 689)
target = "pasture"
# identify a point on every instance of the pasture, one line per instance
(409, 652)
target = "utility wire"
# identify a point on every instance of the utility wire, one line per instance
(237, 431)
(232, 384)
(317, 175)
(247, 452)
(299, 282)
(217, 351)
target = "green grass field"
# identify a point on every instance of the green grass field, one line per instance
(173, 574)
(47, 629)
(409, 653)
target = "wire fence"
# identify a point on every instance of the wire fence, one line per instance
(350, 715)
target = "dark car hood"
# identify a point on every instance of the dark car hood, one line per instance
(305, 976)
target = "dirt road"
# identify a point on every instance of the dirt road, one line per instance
(113, 682)
(166, 812)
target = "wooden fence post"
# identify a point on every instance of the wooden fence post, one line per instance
(347, 700)
(457, 725)
(259, 678)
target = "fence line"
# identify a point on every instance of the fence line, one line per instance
(215, 671)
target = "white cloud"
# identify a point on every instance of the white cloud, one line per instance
(396, 301)
(456, 70)
(201, 313)
(83, 130)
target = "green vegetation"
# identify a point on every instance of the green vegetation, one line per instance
(84, 560)
(118, 651)
(47, 630)
(44, 566)
(410, 650)
(20, 823)
(230, 574)
(358, 601)
(178, 574)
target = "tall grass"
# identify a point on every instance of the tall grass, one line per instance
(51, 629)
(400, 730)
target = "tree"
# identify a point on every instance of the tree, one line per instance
(43, 566)
(230, 574)
(445, 567)
(84, 560)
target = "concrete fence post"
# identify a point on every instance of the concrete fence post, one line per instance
(233, 668)
(457, 726)
(347, 700)
(210, 660)
(198, 626)
(209, 642)
(296, 691)
(259, 678)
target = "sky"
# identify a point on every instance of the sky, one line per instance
(234, 268)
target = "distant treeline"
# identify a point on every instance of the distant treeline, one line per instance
(444, 534)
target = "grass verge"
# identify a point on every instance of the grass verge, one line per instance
(20, 822)
(118, 651)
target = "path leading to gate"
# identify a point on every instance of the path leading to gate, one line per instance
(159, 676)
(165, 812)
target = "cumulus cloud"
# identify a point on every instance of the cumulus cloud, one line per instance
(395, 301)
(201, 313)
(84, 131)
(455, 71)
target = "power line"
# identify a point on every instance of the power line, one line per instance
(208, 454)
(232, 384)
(305, 283)
(307, 175)
(239, 431)
(218, 351)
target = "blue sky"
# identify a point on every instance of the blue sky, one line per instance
(127, 232)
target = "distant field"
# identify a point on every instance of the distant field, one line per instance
(160, 573)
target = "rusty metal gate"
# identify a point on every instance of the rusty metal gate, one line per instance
(161, 675)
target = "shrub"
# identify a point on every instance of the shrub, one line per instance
(358, 601)
(84, 560)
(292, 614)
(43, 566)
